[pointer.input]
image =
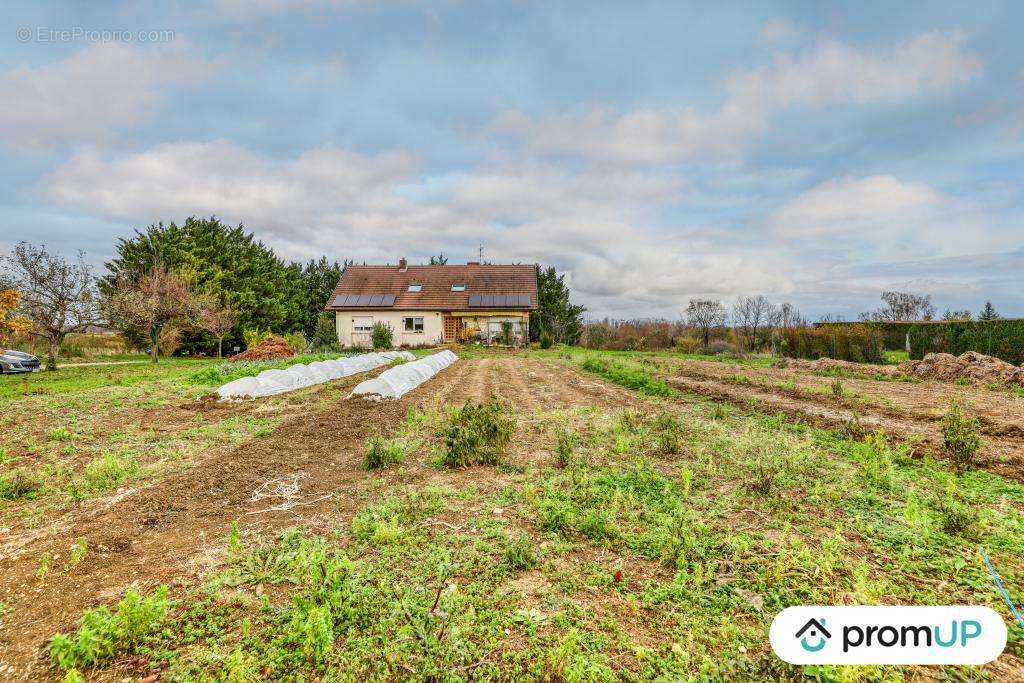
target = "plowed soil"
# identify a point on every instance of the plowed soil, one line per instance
(176, 527)
(903, 409)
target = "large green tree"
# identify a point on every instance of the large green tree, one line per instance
(555, 312)
(228, 265)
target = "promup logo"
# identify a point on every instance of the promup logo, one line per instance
(815, 630)
(888, 635)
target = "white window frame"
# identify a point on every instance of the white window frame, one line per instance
(415, 287)
(413, 318)
(356, 327)
(458, 286)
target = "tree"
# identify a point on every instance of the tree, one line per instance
(218, 320)
(555, 313)
(326, 334)
(10, 324)
(956, 315)
(705, 314)
(439, 260)
(989, 312)
(159, 299)
(57, 296)
(752, 315)
(319, 279)
(902, 306)
(789, 316)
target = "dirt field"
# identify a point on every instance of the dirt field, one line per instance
(648, 551)
(906, 410)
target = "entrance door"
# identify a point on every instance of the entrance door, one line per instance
(452, 327)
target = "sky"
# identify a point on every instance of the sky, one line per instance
(816, 153)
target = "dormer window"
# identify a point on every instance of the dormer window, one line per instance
(459, 287)
(415, 287)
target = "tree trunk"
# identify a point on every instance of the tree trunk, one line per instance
(154, 338)
(220, 347)
(707, 337)
(53, 352)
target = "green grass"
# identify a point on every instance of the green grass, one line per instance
(896, 357)
(226, 371)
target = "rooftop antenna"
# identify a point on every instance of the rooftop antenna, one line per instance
(480, 253)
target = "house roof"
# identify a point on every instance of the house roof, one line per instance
(504, 287)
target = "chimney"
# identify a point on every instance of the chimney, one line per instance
(472, 263)
(403, 265)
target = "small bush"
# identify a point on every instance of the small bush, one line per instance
(381, 453)
(960, 436)
(382, 336)
(104, 635)
(519, 554)
(958, 518)
(18, 484)
(565, 450)
(687, 345)
(668, 435)
(478, 434)
(253, 336)
(837, 388)
(546, 340)
(296, 341)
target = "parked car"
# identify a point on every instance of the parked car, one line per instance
(12, 362)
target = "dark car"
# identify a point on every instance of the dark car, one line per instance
(12, 362)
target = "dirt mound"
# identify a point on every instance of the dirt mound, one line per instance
(973, 366)
(826, 364)
(270, 348)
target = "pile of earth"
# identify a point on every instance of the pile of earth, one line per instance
(831, 364)
(975, 367)
(271, 348)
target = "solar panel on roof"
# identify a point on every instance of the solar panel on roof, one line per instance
(475, 301)
(339, 300)
(524, 300)
(362, 300)
(376, 299)
(389, 300)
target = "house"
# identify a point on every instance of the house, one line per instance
(427, 305)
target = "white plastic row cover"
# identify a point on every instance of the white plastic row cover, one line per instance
(270, 382)
(399, 380)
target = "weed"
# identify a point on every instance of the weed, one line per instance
(668, 435)
(104, 635)
(837, 388)
(958, 518)
(478, 434)
(19, 484)
(110, 471)
(962, 382)
(78, 552)
(546, 340)
(44, 566)
(718, 412)
(960, 436)
(565, 450)
(382, 453)
(638, 380)
(519, 554)
(60, 434)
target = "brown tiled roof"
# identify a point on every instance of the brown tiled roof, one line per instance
(436, 293)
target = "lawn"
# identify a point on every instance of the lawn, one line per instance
(627, 531)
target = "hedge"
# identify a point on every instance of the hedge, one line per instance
(1000, 338)
(853, 342)
(894, 334)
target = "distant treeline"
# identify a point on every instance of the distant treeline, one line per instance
(1002, 338)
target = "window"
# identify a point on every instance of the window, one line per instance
(414, 325)
(415, 287)
(362, 323)
(459, 287)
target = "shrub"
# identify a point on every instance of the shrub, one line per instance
(719, 346)
(1000, 338)
(104, 635)
(837, 388)
(546, 340)
(859, 343)
(296, 341)
(960, 436)
(18, 484)
(506, 332)
(637, 380)
(668, 435)
(381, 453)
(253, 336)
(478, 434)
(382, 335)
(565, 450)
(687, 344)
(958, 518)
(519, 554)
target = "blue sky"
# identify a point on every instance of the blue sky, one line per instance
(816, 153)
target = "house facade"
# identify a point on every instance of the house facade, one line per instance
(429, 305)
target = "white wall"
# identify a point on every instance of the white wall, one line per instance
(432, 327)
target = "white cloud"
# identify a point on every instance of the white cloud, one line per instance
(600, 228)
(777, 31)
(101, 88)
(847, 204)
(829, 74)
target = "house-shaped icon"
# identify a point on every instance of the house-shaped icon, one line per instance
(815, 627)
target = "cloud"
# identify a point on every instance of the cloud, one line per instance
(777, 31)
(605, 230)
(241, 10)
(830, 73)
(84, 98)
(847, 204)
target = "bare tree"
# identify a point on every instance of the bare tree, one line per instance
(159, 298)
(902, 306)
(752, 316)
(956, 315)
(217, 320)
(705, 315)
(59, 297)
(789, 316)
